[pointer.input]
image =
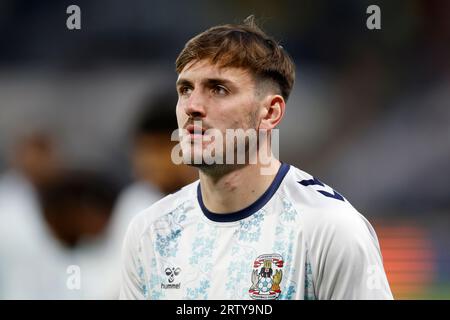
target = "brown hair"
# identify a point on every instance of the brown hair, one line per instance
(242, 46)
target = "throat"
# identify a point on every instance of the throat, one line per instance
(235, 190)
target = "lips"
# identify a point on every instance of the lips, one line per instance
(192, 129)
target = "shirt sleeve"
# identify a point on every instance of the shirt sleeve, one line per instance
(346, 259)
(132, 284)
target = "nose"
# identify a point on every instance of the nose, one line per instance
(195, 105)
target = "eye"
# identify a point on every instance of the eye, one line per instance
(168, 271)
(184, 90)
(220, 90)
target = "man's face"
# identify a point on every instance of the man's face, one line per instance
(221, 98)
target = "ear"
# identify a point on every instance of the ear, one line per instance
(273, 112)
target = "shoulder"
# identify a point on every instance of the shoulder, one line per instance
(310, 193)
(324, 210)
(160, 210)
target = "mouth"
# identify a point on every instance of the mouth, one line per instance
(194, 130)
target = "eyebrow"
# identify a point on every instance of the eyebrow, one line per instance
(208, 82)
(182, 81)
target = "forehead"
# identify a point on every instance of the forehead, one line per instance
(198, 70)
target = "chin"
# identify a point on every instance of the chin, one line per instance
(216, 169)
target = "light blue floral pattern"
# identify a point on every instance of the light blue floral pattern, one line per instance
(202, 247)
(238, 278)
(288, 293)
(167, 242)
(250, 228)
(240, 268)
(166, 234)
(201, 259)
(284, 245)
(141, 274)
(167, 245)
(309, 287)
(289, 214)
(155, 282)
(201, 292)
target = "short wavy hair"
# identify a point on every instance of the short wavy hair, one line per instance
(242, 46)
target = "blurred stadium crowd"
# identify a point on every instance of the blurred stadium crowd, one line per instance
(86, 118)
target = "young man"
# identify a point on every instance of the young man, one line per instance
(253, 230)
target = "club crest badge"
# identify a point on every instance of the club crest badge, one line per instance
(266, 277)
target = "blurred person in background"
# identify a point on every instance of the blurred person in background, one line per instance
(34, 164)
(52, 223)
(78, 209)
(155, 175)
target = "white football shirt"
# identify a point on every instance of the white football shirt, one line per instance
(299, 240)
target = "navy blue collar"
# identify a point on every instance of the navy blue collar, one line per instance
(251, 209)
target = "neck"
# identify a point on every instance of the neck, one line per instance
(237, 189)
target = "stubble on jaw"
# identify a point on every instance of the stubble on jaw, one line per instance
(218, 170)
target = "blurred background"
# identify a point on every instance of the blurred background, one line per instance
(86, 117)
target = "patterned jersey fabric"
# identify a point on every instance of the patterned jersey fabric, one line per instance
(299, 240)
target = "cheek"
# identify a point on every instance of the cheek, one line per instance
(181, 116)
(244, 115)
